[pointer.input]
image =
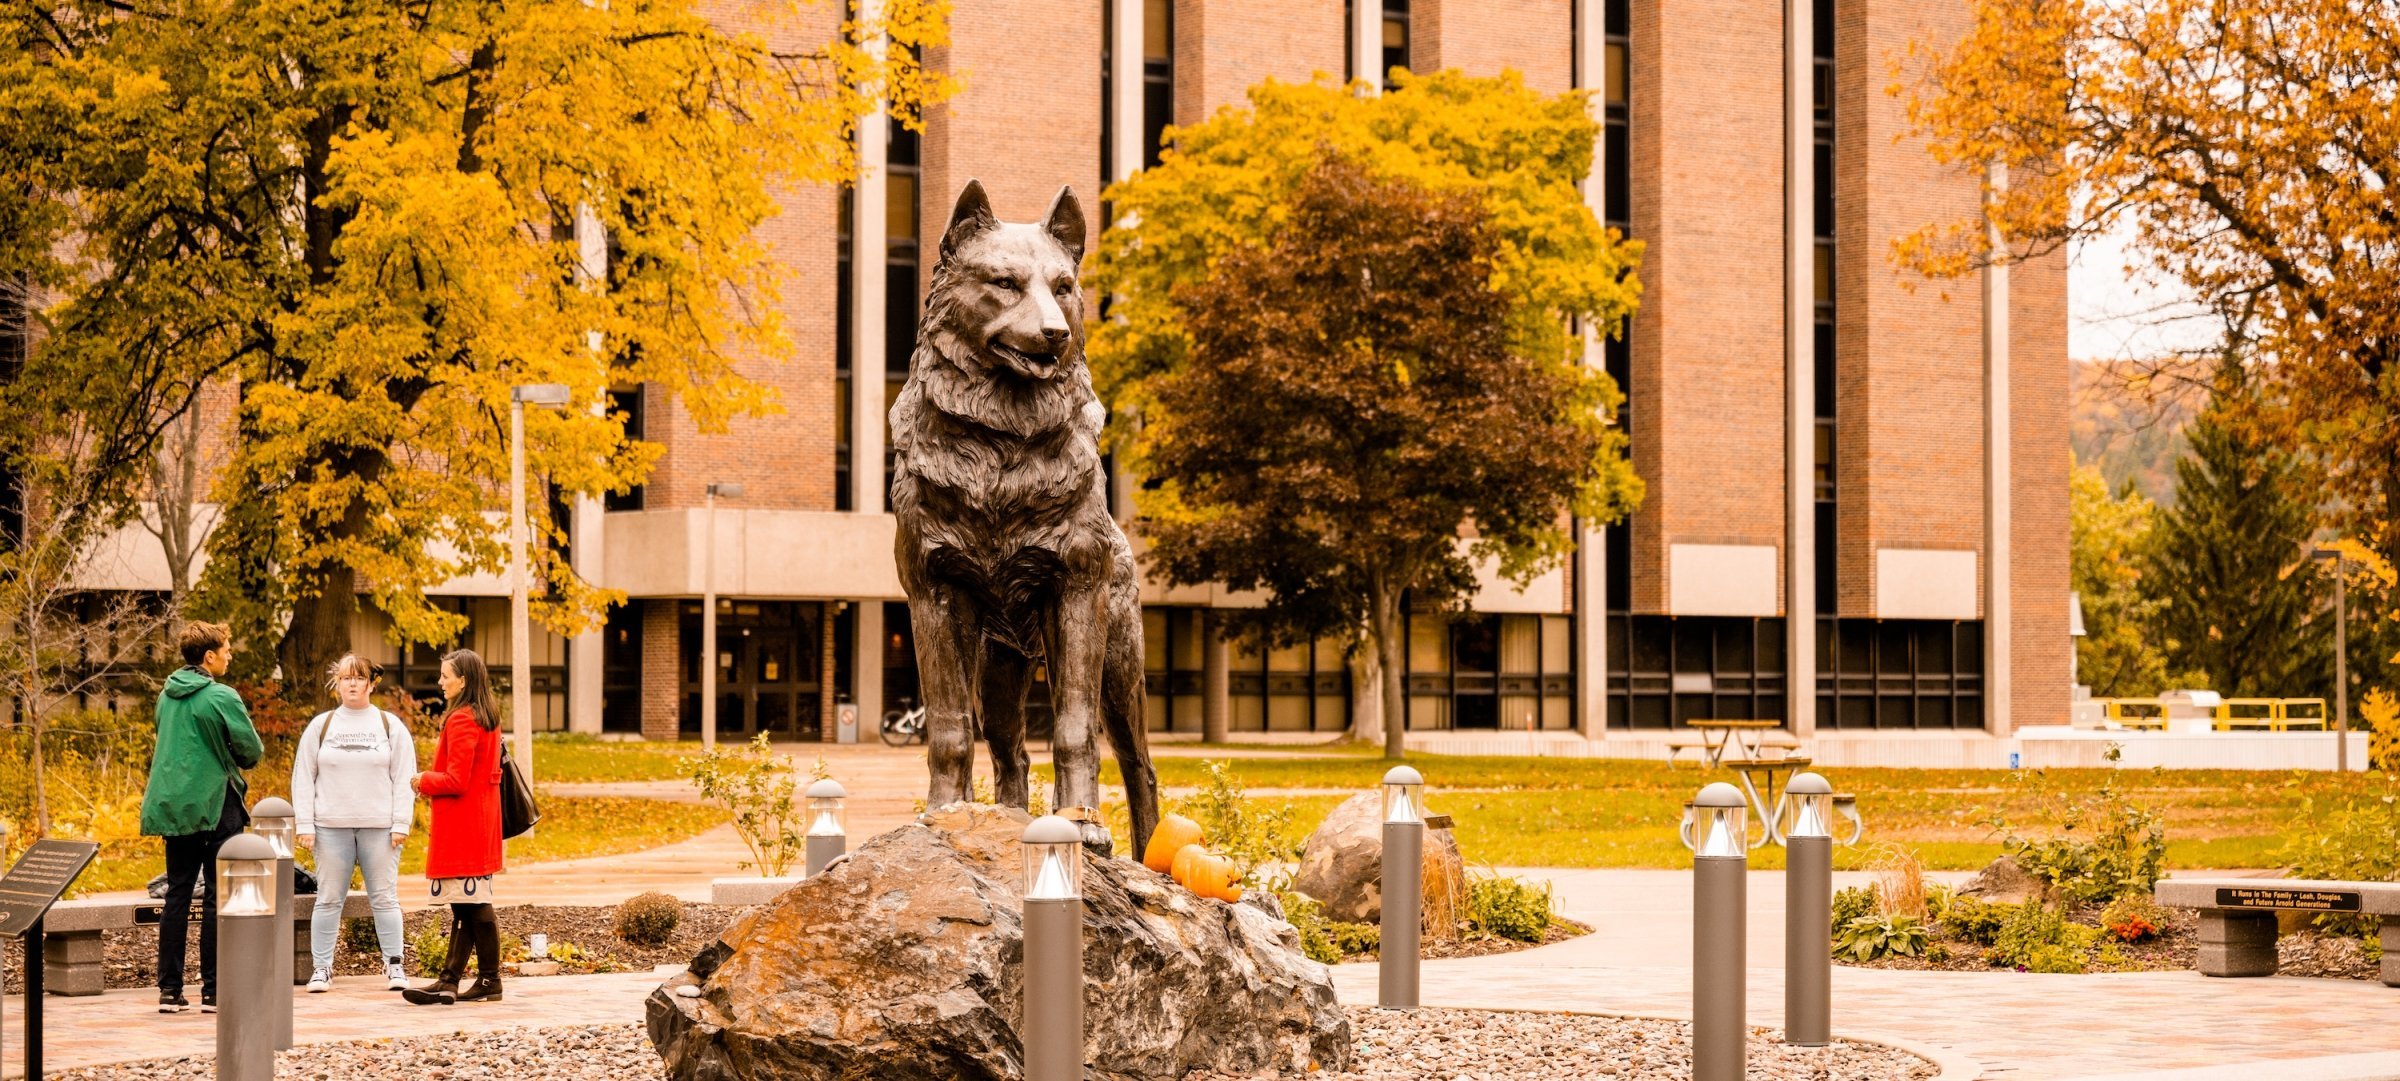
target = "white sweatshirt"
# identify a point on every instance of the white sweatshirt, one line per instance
(351, 772)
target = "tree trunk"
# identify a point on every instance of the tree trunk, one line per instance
(320, 629)
(1385, 602)
(1366, 691)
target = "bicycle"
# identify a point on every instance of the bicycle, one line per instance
(903, 727)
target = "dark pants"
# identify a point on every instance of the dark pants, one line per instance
(193, 857)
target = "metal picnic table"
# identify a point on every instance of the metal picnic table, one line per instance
(1763, 780)
(1718, 736)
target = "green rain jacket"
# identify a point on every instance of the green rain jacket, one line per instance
(204, 743)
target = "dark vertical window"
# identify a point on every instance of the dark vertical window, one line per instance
(1158, 76)
(627, 405)
(900, 228)
(1395, 37)
(1823, 351)
(1616, 92)
(841, 353)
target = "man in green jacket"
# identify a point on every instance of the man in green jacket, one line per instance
(195, 800)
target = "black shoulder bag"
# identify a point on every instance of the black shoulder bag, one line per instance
(518, 812)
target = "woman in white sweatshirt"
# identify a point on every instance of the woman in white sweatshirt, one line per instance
(350, 787)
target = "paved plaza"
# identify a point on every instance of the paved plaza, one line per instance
(2002, 1026)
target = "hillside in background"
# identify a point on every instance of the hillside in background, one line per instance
(2128, 420)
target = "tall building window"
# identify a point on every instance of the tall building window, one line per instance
(901, 225)
(1158, 82)
(627, 405)
(1616, 89)
(1823, 342)
(1395, 37)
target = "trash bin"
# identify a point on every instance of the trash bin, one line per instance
(845, 722)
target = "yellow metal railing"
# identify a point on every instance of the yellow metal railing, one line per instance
(2231, 714)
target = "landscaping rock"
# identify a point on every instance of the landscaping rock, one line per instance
(1341, 866)
(2002, 882)
(905, 963)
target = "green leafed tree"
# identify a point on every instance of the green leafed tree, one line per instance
(1351, 402)
(2119, 655)
(2239, 601)
(376, 219)
(1341, 507)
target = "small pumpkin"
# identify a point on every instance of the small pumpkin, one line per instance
(1181, 866)
(1213, 876)
(1173, 832)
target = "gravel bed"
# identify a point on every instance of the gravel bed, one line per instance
(1432, 1045)
(131, 956)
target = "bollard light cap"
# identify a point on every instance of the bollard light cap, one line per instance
(1403, 775)
(828, 789)
(1809, 784)
(272, 807)
(246, 846)
(1719, 794)
(1053, 830)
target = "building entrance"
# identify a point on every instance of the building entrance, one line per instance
(769, 669)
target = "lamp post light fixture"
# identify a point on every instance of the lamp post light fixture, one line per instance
(708, 613)
(1053, 1006)
(828, 826)
(2341, 656)
(1716, 827)
(520, 612)
(248, 953)
(274, 820)
(1403, 888)
(1805, 817)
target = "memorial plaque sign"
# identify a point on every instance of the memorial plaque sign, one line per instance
(39, 878)
(2297, 900)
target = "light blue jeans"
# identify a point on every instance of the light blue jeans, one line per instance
(370, 851)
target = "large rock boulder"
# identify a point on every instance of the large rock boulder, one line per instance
(1341, 866)
(904, 962)
(2002, 882)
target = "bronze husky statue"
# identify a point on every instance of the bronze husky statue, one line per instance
(1005, 546)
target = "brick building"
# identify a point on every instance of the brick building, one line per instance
(1845, 529)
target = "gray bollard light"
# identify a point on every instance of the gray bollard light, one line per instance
(828, 825)
(1716, 827)
(249, 956)
(1805, 819)
(274, 820)
(1403, 888)
(1053, 1027)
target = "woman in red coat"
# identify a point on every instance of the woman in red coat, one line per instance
(463, 791)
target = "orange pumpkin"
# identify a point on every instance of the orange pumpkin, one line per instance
(1206, 873)
(1173, 832)
(1181, 865)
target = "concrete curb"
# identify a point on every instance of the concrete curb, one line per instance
(1954, 1065)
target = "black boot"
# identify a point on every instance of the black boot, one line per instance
(444, 991)
(486, 929)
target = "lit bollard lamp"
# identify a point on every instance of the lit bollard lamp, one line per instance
(274, 820)
(828, 830)
(1053, 1030)
(1403, 887)
(249, 956)
(1716, 827)
(1805, 818)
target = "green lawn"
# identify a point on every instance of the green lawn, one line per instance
(1617, 813)
(565, 758)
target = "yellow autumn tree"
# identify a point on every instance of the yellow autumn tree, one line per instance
(2250, 151)
(378, 218)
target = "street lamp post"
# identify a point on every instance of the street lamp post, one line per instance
(1805, 819)
(2341, 658)
(520, 617)
(249, 954)
(1716, 829)
(274, 820)
(708, 614)
(1403, 888)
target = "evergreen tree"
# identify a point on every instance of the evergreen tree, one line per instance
(2241, 602)
(2119, 654)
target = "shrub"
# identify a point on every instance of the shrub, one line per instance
(2356, 841)
(1263, 842)
(2381, 712)
(2106, 846)
(358, 936)
(431, 946)
(2133, 918)
(1307, 917)
(1507, 907)
(1851, 903)
(648, 919)
(1969, 919)
(1354, 938)
(2033, 930)
(1885, 934)
(752, 783)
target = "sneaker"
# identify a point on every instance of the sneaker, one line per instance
(208, 1002)
(320, 982)
(172, 1002)
(395, 978)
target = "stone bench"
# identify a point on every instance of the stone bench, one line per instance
(2239, 917)
(73, 946)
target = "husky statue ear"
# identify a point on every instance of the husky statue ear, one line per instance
(972, 215)
(1065, 223)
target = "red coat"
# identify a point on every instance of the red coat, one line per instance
(463, 789)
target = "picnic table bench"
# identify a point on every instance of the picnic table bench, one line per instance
(2239, 917)
(1714, 739)
(73, 946)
